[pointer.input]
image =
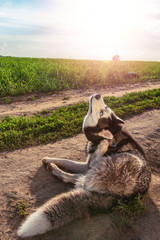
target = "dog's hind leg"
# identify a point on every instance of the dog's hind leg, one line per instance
(64, 176)
(69, 165)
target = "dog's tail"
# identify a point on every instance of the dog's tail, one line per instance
(63, 209)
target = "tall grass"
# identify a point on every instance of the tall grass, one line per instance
(32, 75)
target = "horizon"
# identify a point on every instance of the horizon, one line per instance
(81, 29)
(82, 59)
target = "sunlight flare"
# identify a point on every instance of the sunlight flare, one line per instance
(109, 23)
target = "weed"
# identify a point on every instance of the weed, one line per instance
(7, 100)
(10, 201)
(45, 111)
(31, 98)
(130, 206)
(21, 208)
(65, 98)
(125, 210)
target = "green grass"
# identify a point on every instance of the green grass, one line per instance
(125, 211)
(20, 76)
(19, 132)
(130, 206)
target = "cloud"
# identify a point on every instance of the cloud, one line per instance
(24, 17)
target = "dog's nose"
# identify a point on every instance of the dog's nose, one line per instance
(97, 96)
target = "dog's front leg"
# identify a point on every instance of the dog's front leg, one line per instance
(69, 165)
(63, 176)
(102, 148)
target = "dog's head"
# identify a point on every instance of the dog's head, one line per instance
(100, 122)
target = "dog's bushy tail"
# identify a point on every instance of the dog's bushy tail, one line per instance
(63, 209)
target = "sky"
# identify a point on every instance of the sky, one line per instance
(81, 29)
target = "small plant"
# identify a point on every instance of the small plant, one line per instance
(7, 100)
(21, 208)
(10, 201)
(31, 98)
(65, 98)
(45, 111)
(125, 211)
(130, 206)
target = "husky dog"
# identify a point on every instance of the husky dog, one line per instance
(115, 167)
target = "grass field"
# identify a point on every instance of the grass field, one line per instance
(19, 132)
(19, 76)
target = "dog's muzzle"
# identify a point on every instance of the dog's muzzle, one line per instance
(97, 96)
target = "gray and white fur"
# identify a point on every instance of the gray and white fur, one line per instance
(116, 166)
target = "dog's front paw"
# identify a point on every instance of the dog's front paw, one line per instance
(49, 167)
(90, 148)
(45, 162)
(52, 168)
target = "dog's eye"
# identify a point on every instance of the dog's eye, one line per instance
(101, 113)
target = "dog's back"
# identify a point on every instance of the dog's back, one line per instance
(122, 171)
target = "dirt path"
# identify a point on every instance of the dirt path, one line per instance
(22, 177)
(36, 103)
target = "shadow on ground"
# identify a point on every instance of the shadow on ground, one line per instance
(45, 186)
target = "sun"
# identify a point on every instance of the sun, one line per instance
(103, 16)
(110, 23)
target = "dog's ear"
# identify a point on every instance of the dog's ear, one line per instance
(119, 120)
(104, 133)
(116, 119)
